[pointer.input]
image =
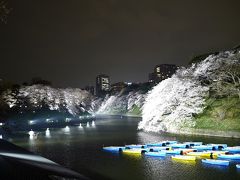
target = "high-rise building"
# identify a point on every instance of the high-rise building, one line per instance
(102, 85)
(151, 77)
(164, 71)
(161, 72)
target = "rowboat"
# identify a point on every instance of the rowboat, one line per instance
(178, 151)
(204, 147)
(160, 144)
(206, 154)
(156, 154)
(179, 145)
(114, 148)
(229, 156)
(170, 142)
(216, 153)
(175, 151)
(218, 146)
(193, 143)
(155, 149)
(135, 146)
(185, 158)
(135, 151)
(199, 154)
(216, 162)
(235, 149)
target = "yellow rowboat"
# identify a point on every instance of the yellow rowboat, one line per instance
(184, 158)
(214, 154)
(135, 151)
(202, 154)
(206, 154)
(197, 154)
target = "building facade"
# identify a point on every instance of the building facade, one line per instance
(102, 85)
(151, 77)
(118, 87)
(162, 72)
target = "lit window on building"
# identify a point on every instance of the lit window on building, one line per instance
(105, 80)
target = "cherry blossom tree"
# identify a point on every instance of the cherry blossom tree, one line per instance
(174, 102)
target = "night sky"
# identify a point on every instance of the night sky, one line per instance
(69, 42)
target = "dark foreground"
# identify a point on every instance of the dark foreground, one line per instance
(18, 163)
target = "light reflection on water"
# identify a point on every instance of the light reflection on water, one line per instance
(80, 148)
(47, 133)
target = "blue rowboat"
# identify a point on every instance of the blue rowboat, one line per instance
(238, 166)
(193, 143)
(218, 146)
(160, 144)
(178, 151)
(170, 142)
(229, 156)
(216, 162)
(156, 149)
(156, 144)
(156, 154)
(175, 151)
(131, 146)
(114, 148)
(179, 145)
(203, 147)
(235, 149)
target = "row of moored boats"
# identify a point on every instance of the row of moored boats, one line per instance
(214, 154)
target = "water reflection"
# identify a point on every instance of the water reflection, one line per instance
(217, 167)
(47, 133)
(80, 126)
(32, 135)
(67, 129)
(88, 125)
(93, 124)
(144, 138)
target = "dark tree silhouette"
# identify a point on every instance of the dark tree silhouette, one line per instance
(4, 11)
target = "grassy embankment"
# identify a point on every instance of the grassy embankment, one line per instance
(221, 114)
(135, 111)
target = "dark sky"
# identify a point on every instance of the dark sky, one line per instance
(71, 41)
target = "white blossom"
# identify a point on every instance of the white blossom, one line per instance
(121, 103)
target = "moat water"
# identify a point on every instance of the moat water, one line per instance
(80, 149)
